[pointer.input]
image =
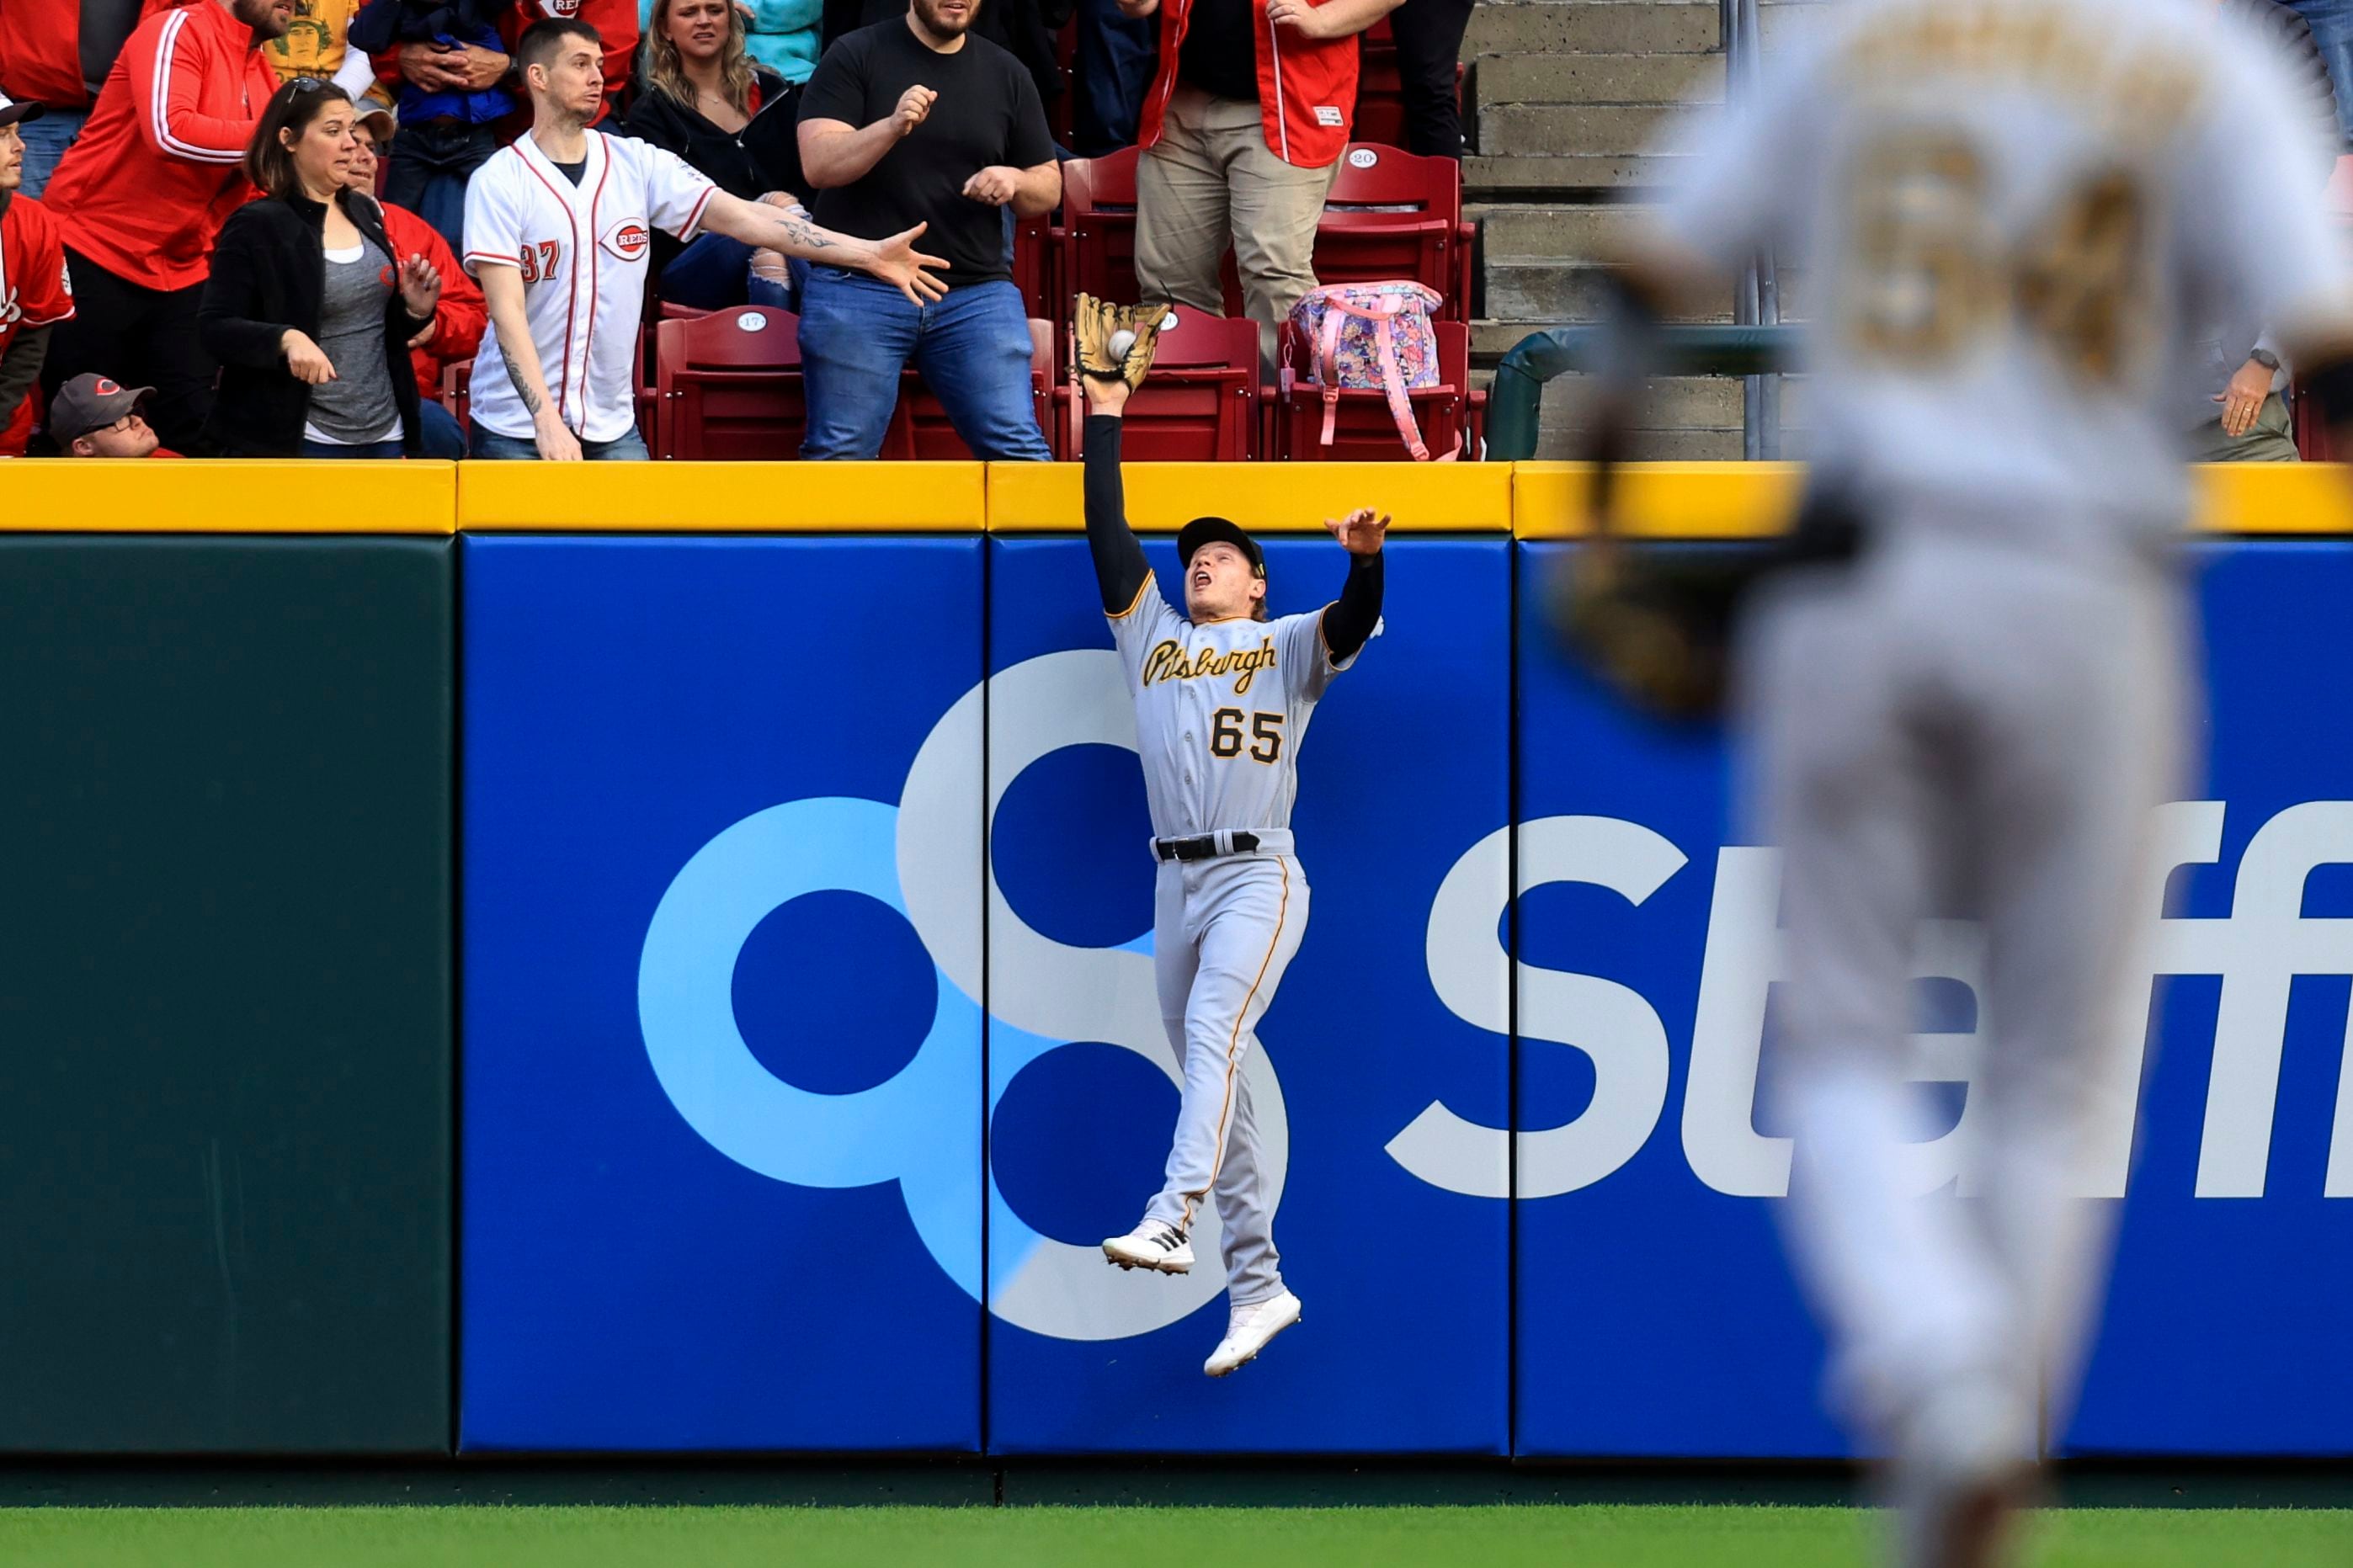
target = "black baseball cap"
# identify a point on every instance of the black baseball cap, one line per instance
(88, 403)
(12, 112)
(1213, 530)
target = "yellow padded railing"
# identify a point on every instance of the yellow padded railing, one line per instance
(1531, 500)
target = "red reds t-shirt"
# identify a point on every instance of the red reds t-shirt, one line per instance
(34, 292)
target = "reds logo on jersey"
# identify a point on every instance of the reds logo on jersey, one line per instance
(10, 311)
(627, 239)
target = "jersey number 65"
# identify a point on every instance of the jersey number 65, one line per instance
(1265, 735)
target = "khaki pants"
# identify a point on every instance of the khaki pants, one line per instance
(2271, 439)
(1212, 180)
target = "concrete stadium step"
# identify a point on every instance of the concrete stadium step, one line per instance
(1593, 27)
(1600, 79)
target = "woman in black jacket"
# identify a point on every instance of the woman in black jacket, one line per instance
(309, 308)
(701, 96)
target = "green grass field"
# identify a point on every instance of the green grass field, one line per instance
(1134, 1538)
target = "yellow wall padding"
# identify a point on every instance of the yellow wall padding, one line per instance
(722, 498)
(1264, 498)
(160, 496)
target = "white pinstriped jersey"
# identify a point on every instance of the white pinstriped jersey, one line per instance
(1221, 709)
(2015, 217)
(583, 251)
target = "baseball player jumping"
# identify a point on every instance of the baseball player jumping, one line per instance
(2018, 215)
(559, 229)
(1222, 700)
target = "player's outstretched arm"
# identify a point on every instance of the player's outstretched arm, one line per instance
(1120, 569)
(791, 231)
(1349, 620)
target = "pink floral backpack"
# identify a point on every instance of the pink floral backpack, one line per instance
(1373, 337)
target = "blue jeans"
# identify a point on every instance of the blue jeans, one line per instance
(972, 349)
(715, 273)
(438, 432)
(428, 168)
(2332, 29)
(329, 449)
(45, 141)
(630, 448)
(1116, 55)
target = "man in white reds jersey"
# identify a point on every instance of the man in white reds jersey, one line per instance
(2018, 216)
(559, 228)
(1222, 700)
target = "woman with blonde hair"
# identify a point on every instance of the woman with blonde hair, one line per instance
(698, 94)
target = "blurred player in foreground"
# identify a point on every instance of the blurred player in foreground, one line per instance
(1963, 689)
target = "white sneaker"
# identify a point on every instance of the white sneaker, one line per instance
(1154, 1244)
(1248, 1328)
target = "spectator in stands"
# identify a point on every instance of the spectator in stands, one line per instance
(784, 36)
(35, 293)
(310, 309)
(57, 53)
(552, 266)
(1111, 69)
(2238, 413)
(2331, 23)
(915, 121)
(145, 190)
(457, 321)
(452, 61)
(1242, 134)
(1430, 50)
(616, 24)
(1025, 29)
(698, 94)
(93, 418)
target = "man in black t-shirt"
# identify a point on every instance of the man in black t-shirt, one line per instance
(913, 121)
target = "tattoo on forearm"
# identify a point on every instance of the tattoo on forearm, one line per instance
(804, 232)
(530, 400)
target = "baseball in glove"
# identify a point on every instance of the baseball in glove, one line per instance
(1115, 342)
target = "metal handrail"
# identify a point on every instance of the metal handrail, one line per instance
(1757, 300)
(1516, 404)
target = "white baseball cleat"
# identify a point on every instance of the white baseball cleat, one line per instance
(1248, 1331)
(1155, 1245)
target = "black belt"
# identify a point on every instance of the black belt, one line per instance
(1202, 848)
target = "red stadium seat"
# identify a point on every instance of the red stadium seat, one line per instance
(728, 386)
(1448, 412)
(1393, 215)
(1034, 268)
(1097, 236)
(1200, 404)
(920, 428)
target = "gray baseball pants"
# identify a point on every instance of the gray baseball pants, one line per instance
(1959, 728)
(1223, 931)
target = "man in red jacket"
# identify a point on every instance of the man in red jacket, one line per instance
(1241, 133)
(56, 53)
(457, 321)
(142, 194)
(35, 292)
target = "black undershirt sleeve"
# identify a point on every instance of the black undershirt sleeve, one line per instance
(1349, 620)
(1120, 569)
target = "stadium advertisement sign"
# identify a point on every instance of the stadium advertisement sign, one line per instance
(727, 1072)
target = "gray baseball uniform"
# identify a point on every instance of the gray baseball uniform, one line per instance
(2016, 213)
(1221, 709)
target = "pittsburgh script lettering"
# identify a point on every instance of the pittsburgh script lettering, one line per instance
(1168, 662)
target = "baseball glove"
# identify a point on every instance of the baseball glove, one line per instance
(1095, 325)
(1656, 620)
